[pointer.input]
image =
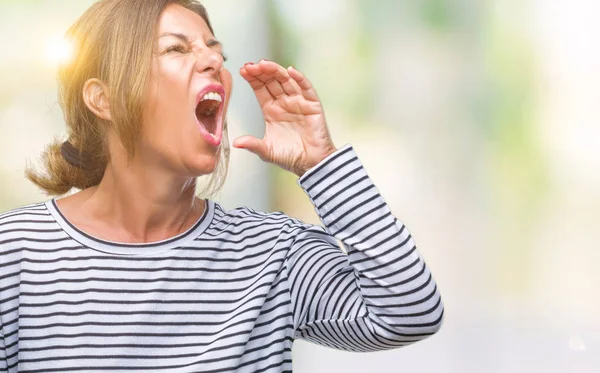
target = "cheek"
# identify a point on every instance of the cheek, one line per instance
(172, 85)
(167, 101)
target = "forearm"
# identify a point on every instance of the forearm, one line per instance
(393, 282)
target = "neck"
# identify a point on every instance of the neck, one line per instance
(142, 205)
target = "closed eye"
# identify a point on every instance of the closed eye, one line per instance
(176, 48)
(182, 49)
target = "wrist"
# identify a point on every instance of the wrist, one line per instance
(314, 162)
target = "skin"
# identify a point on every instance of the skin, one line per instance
(151, 197)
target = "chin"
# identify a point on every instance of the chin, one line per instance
(203, 164)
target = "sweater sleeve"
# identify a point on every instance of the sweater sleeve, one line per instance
(3, 363)
(378, 295)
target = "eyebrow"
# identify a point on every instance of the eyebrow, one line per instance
(177, 35)
(185, 38)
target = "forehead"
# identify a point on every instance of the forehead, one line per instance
(177, 19)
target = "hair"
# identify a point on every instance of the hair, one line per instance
(113, 42)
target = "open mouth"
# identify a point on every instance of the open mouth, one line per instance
(209, 113)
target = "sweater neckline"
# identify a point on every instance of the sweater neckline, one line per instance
(124, 248)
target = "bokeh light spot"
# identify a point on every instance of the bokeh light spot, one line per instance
(59, 50)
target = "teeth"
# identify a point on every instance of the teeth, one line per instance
(212, 96)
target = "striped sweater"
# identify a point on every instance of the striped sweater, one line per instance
(230, 294)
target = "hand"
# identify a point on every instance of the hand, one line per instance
(296, 135)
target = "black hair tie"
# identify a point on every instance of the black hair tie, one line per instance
(72, 155)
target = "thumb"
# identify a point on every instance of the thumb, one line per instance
(252, 144)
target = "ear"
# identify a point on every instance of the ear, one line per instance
(96, 98)
(227, 81)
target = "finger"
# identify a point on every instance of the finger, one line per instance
(252, 144)
(280, 73)
(307, 89)
(260, 89)
(267, 78)
(276, 78)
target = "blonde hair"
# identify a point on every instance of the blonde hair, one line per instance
(113, 41)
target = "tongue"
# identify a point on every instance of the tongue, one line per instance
(208, 121)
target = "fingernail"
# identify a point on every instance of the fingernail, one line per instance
(263, 59)
(249, 63)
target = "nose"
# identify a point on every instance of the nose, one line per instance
(208, 61)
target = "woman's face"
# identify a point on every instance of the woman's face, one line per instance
(187, 96)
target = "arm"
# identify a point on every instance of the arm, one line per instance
(381, 295)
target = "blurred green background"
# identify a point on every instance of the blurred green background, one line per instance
(477, 119)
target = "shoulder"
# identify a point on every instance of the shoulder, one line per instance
(244, 217)
(23, 222)
(252, 223)
(32, 213)
(246, 221)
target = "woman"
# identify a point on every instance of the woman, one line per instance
(136, 273)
